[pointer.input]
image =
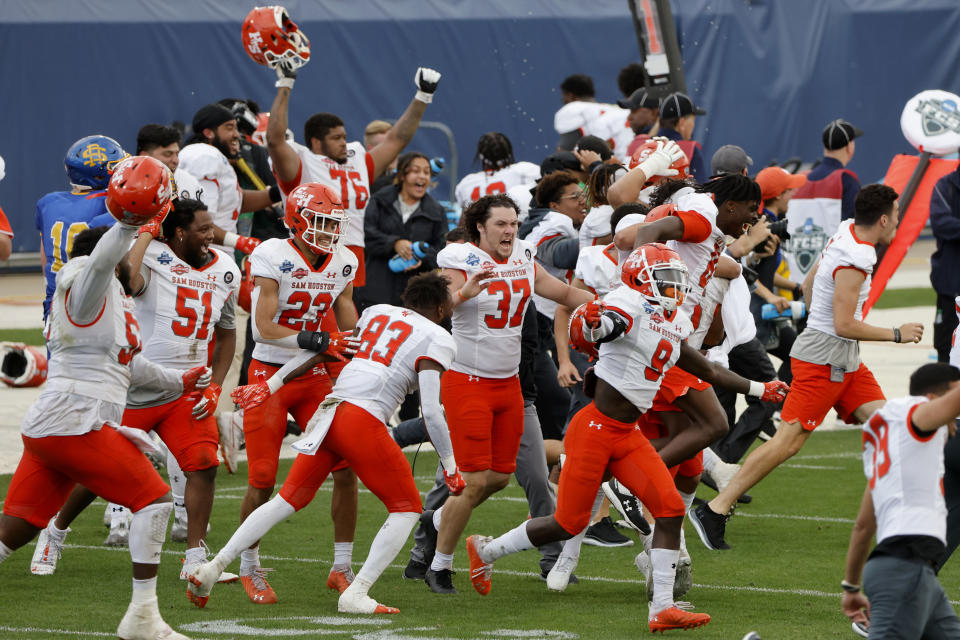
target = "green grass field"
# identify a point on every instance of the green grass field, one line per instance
(781, 578)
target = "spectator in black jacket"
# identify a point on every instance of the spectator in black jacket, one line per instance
(945, 262)
(398, 216)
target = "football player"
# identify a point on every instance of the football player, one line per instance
(163, 143)
(61, 215)
(72, 433)
(326, 157)
(639, 332)
(492, 276)
(303, 289)
(825, 359)
(499, 172)
(400, 350)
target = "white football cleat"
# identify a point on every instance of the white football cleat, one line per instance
(352, 601)
(143, 622)
(230, 426)
(191, 567)
(642, 562)
(200, 583)
(559, 576)
(47, 552)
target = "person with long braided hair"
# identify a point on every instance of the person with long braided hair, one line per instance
(499, 171)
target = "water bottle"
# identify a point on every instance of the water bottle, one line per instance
(398, 264)
(796, 311)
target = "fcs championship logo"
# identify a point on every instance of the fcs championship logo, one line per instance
(938, 116)
(806, 243)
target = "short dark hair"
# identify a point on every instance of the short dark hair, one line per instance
(624, 210)
(403, 165)
(426, 291)
(551, 186)
(578, 85)
(181, 215)
(86, 240)
(595, 143)
(456, 235)
(873, 201)
(631, 78)
(732, 186)
(152, 136)
(319, 125)
(479, 212)
(494, 151)
(933, 377)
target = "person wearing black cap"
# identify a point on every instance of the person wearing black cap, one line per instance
(206, 156)
(730, 159)
(644, 112)
(816, 209)
(678, 116)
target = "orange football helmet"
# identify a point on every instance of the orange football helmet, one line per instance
(315, 215)
(271, 37)
(140, 189)
(22, 365)
(682, 166)
(658, 274)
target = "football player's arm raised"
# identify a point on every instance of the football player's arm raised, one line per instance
(668, 228)
(846, 292)
(628, 188)
(692, 361)
(401, 133)
(85, 299)
(132, 263)
(286, 162)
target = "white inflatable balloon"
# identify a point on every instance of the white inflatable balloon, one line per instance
(931, 121)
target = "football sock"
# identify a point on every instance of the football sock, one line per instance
(441, 561)
(343, 554)
(664, 562)
(511, 542)
(148, 530)
(710, 458)
(144, 590)
(178, 486)
(436, 518)
(253, 528)
(386, 545)
(687, 500)
(5, 552)
(119, 515)
(571, 548)
(54, 532)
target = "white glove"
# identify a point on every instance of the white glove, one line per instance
(426, 82)
(286, 75)
(658, 163)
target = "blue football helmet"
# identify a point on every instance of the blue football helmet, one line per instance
(90, 161)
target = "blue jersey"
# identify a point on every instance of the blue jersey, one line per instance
(61, 215)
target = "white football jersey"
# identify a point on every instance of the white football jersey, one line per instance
(220, 190)
(350, 179)
(305, 292)
(904, 469)
(178, 310)
(635, 362)
(486, 183)
(598, 269)
(553, 225)
(577, 115)
(91, 361)
(187, 185)
(613, 128)
(487, 328)
(843, 251)
(393, 341)
(595, 225)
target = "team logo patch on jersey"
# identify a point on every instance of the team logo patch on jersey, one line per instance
(165, 258)
(648, 308)
(228, 277)
(212, 277)
(472, 259)
(488, 265)
(528, 253)
(351, 153)
(299, 273)
(180, 269)
(657, 317)
(806, 242)
(347, 270)
(286, 266)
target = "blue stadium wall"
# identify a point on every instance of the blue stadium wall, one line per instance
(770, 72)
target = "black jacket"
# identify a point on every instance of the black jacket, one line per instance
(382, 227)
(945, 223)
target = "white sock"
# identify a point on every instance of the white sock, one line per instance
(664, 562)
(441, 561)
(710, 459)
(342, 554)
(253, 528)
(178, 486)
(249, 560)
(148, 530)
(5, 552)
(436, 518)
(59, 534)
(596, 503)
(144, 590)
(511, 542)
(571, 548)
(119, 515)
(687, 500)
(386, 545)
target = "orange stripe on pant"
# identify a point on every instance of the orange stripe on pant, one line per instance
(596, 442)
(361, 440)
(103, 461)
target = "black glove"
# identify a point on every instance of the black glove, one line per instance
(426, 82)
(286, 75)
(314, 341)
